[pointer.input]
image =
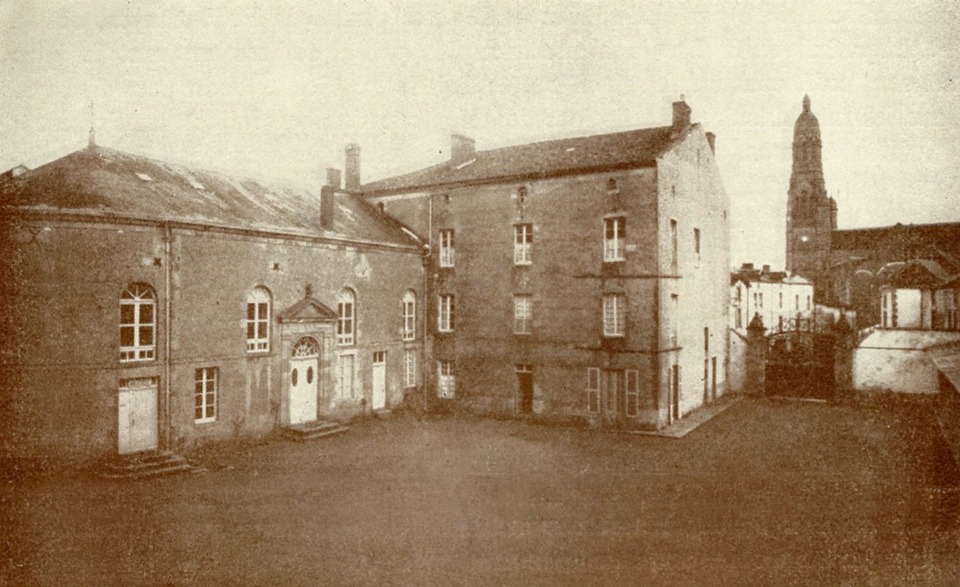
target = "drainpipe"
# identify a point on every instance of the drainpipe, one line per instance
(424, 370)
(168, 304)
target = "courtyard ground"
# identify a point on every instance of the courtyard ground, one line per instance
(767, 493)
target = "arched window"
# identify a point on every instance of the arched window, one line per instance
(409, 316)
(258, 320)
(346, 317)
(138, 323)
(612, 188)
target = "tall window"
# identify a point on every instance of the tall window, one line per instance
(613, 314)
(446, 247)
(674, 319)
(522, 244)
(205, 394)
(632, 392)
(446, 381)
(447, 316)
(345, 376)
(593, 390)
(614, 231)
(410, 368)
(673, 245)
(781, 300)
(696, 242)
(808, 302)
(409, 316)
(346, 317)
(138, 323)
(522, 314)
(258, 320)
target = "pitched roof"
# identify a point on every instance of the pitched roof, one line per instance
(635, 148)
(100, 182)
(919, 273)
(945, 235)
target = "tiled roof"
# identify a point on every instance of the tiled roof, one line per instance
(103, 182)
(920, 273)
(635, 148)
(942, 235)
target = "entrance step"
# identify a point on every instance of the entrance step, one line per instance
(312, 430)
(142, 465)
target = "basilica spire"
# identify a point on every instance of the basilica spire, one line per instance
(811, 215)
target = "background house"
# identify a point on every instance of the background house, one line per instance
(918, 321)
(575, 278)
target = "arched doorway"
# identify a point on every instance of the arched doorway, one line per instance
(303, 378)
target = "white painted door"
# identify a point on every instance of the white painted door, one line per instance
(303, 381)
(137, 416)
(379, 398)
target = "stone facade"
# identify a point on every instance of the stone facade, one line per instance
(572, 195)
(66, 269)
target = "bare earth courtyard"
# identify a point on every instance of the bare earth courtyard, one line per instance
(767, 493)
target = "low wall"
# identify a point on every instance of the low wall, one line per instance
(897, 370)
(948, 416)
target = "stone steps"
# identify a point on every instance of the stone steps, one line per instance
(313, 430)
(142, 465)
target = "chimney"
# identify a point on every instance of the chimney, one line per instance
(681, 115)
(462, 149)
(92, 139)
(766, 269)
(748, 266)
(352, 167)
(712, 140)
(327, 205)
(333, 177)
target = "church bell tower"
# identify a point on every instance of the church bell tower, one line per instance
(811, 215)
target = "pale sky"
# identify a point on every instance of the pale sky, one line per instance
(274, 90)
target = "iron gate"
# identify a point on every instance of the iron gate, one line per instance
(800, 364)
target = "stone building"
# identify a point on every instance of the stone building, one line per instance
(582, 278)
(148, 305)
(848, 266)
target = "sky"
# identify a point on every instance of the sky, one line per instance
(275, 90)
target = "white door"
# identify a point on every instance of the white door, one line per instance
(303, 381)
(379, 398)
(137, 416)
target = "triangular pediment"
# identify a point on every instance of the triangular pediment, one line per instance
(308, 310)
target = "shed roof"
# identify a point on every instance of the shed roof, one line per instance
(106, 183)
(629, 149)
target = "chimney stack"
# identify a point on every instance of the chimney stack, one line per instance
(766, 269)
(327, 206)
(333, 177)
(462, 149)
(712, 140)
(748, 266)
(681, 115)
(352, 167)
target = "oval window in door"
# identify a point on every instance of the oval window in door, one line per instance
(309, 375)
(293, 377)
